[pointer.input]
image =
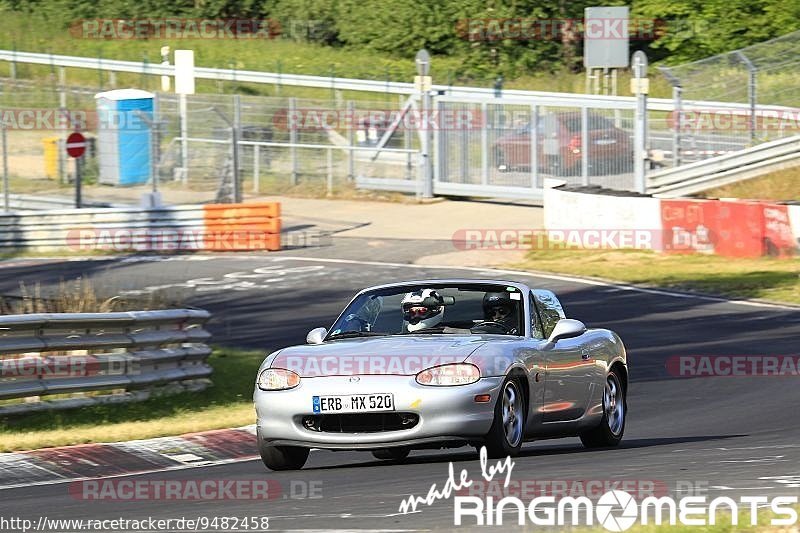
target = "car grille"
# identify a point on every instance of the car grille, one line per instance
(360, 422)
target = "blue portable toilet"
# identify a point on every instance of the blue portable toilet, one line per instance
(123, 137)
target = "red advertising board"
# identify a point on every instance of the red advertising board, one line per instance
(733, 229)
(778, 236)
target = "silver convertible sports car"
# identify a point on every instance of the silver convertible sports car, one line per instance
(439, 364)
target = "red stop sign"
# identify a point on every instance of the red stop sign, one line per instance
(76, 144)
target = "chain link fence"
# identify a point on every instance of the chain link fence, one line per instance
(520, 144)
(763, 76)
(305, 146)
(323, 146)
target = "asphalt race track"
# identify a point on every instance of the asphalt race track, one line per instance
(729, 436)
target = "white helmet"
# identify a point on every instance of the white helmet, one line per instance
(422, 309)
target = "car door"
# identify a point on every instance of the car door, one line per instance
(534, 360)
(568, 367)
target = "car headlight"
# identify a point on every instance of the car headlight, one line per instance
(452, 374)
(277, 379)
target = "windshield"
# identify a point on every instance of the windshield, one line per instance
(429, 309)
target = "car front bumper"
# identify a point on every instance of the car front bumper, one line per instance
(445, 413)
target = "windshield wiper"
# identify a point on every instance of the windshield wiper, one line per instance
(353, 334)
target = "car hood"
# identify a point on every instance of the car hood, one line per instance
(393, 355)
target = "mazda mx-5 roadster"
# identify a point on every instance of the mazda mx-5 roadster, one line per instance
(439, 364)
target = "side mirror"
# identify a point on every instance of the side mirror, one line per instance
(316, 335)
(566, 328)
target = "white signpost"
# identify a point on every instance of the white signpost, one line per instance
(640, 86)
(184, 84)
(422, 82)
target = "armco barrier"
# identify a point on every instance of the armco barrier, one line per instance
(215, 227)
(102, 356)
(725, 169)
(731, 228)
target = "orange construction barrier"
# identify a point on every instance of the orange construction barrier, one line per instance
(242, 227)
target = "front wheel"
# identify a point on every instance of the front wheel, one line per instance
(283, 457)
(615, 409)
(506, 434)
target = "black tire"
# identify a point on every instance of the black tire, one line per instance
(283, 457)
(396, 455)
(498, 443)
(611, 428)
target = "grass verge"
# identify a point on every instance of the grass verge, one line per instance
(766, 278)
(34, 33)
(780, 185)
(228, 403)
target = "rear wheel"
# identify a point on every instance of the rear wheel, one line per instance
(396, 455)
(283, 457)
(506, 434)
(615, 409)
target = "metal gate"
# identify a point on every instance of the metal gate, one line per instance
(506, 147)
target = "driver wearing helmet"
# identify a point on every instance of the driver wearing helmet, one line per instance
(422, 309)
(499, 308)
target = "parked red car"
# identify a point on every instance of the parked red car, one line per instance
(560, 147)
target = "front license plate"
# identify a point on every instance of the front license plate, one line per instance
(353, 403)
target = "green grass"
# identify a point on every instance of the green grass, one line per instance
(780, 185)
(31, 33)
(764, 278)
(227, 404)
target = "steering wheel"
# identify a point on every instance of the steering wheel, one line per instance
(364, 324)
(505, 328)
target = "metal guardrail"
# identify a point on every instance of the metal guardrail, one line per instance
(59, 229)
(211, 227)
(333, 83)
(126, 356)
(30, 202)
(441, 188)
(723, 170)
